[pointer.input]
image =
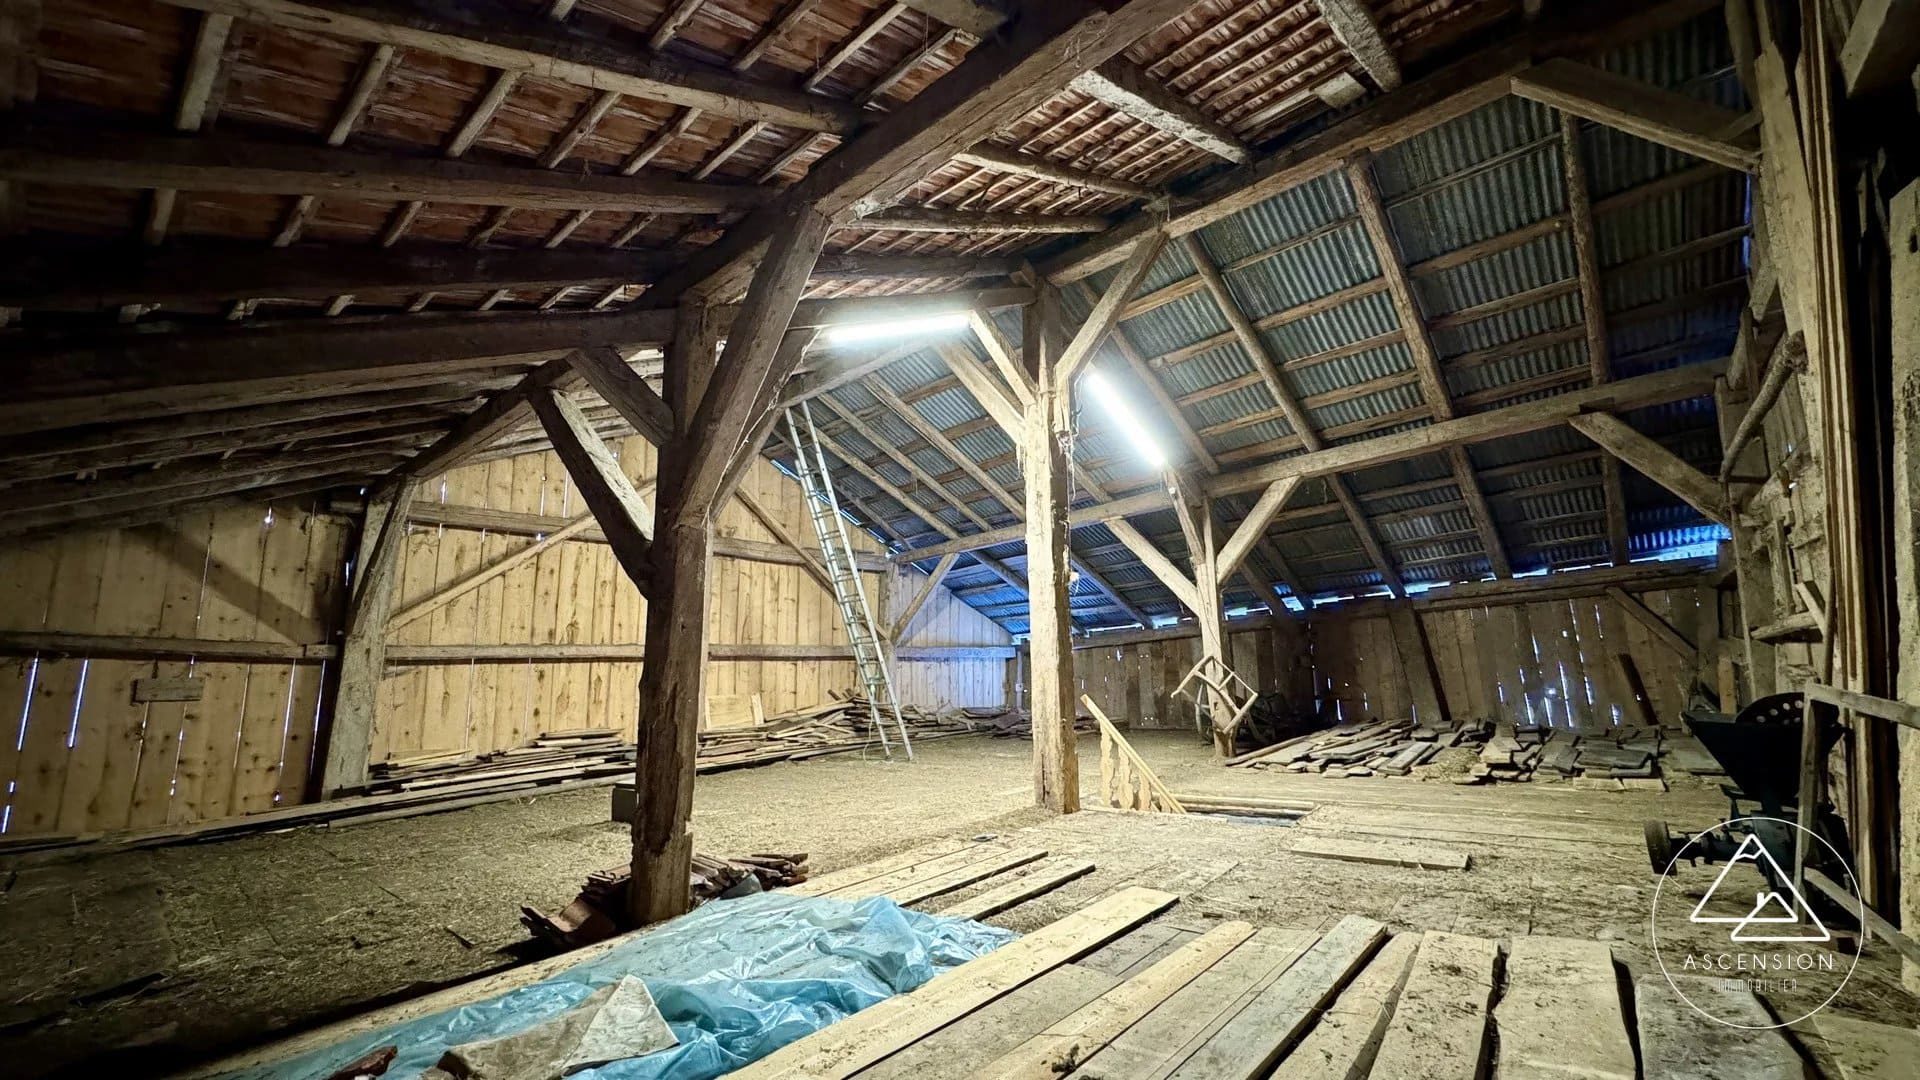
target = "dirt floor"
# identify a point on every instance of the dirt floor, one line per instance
(160, 957)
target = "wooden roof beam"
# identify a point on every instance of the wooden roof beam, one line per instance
(1356, 29)
(512, 42)
(1120, 84)
(1004, 160)
(1659, 388)
(1653, 113)
(1656, 463)
(129, 160)
(933, 219)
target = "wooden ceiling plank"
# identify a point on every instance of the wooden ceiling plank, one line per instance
(515, 45)
(1027, 62)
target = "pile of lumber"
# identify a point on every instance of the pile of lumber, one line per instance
(1015, 723)
(1397, 747)
(836, 727)
(600, 911)
(550, 758)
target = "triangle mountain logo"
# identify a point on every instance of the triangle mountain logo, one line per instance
(1772, 916)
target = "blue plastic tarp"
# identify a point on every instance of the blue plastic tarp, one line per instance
(735, 980)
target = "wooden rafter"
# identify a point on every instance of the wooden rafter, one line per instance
(1593, 311)
(1121, 84)
(1426, 360)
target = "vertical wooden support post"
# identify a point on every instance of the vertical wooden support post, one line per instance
(673, 680)
(363, 651)
(1195, 512)
(1043, 453)
(1904, 270)
(717, 404)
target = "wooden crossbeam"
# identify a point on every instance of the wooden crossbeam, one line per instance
(976, 222)
(1655, 625)
(1653, 113)
(898, 632)
(992, 395)
(1655, 462)
(1005, 357)
(623, 388)
(130, 160)
(1121, 84)
(1001, 159)
(1254, 526)
(1178, 583)
(187, 271)
(512, 42)
(1354, 25)
(747, 374)
(623, 515)
(1106, 313)
(1674, 384)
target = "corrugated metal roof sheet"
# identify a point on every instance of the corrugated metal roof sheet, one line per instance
(1284, 217)
(1485, 174)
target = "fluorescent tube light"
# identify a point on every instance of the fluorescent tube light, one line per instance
(1123, 418)
(848, 333)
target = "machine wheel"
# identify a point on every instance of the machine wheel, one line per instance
(1659, 846)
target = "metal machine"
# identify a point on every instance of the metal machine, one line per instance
(1760, 750)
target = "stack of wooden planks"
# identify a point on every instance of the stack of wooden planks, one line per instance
(833, 728)
(1099, 996)
(1636, 756)
(600, 911)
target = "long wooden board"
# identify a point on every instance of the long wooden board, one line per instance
(1439, 1030)
(875, 1033)
(1091, 1028)
(1018, 891)
(1274, 1020)
(1560, 1015)
(1342, 1045)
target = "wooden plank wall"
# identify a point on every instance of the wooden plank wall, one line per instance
(576, 594)
(1546, 662)
(80, 755)
(1134, 683)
